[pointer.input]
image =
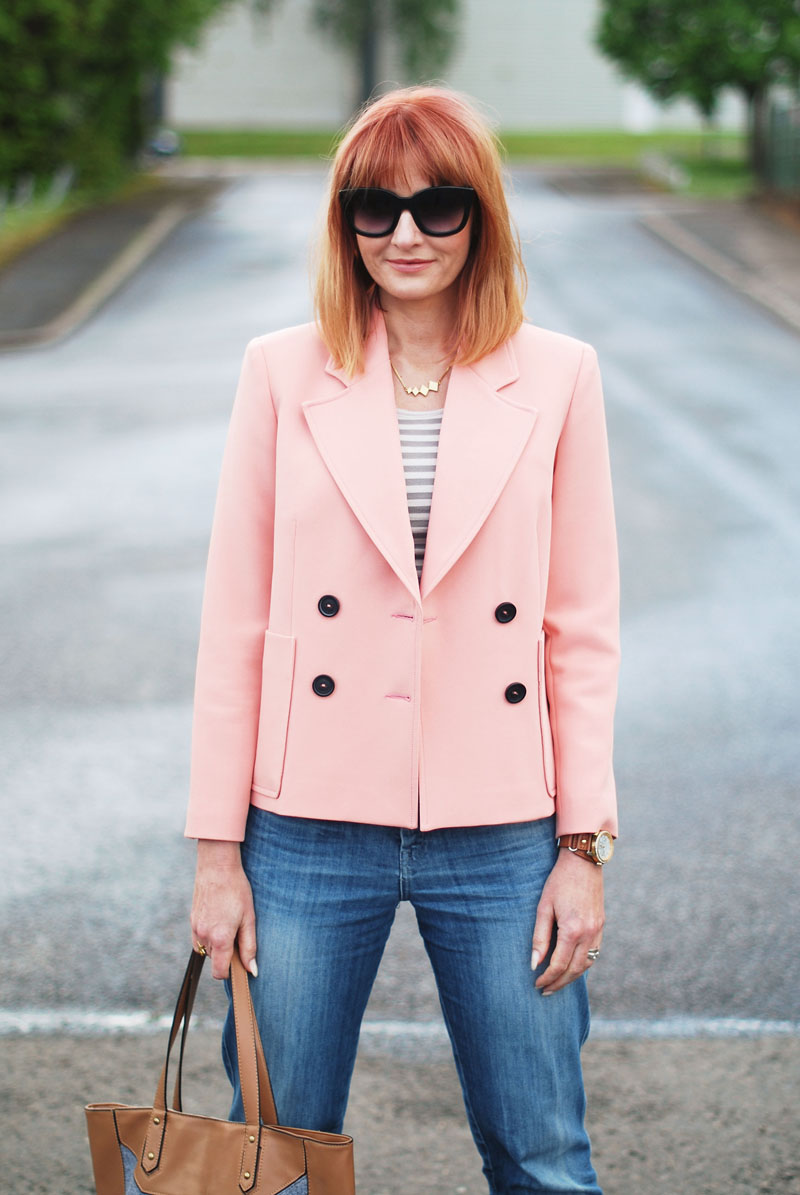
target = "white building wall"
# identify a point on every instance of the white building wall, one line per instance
(531, 63)
(251, 71)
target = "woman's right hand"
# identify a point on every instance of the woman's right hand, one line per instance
(222, 907)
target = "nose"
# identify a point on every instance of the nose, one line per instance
(406, 232)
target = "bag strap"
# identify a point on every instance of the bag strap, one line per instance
(257, 1097)
(194, 979)
(266, 1101)
(253, 1071)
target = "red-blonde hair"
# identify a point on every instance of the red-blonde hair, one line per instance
(440, 135)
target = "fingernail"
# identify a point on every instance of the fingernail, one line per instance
(254, 969)
(535, 960)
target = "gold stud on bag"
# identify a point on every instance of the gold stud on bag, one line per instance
(163, 1150)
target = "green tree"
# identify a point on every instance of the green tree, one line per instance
(425, 31)
(74, 78)
(691, 49)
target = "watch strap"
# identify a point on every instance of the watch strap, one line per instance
(583, 845)
(577, 842)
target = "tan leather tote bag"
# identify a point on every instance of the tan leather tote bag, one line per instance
(165, 1151)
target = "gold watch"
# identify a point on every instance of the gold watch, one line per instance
(597, 848)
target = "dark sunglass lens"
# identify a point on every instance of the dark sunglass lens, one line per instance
(372, 212)
(442, 210)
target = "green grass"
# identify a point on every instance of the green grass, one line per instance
(609, 146)
(717, 178)
(21, 227)
(591, 145)
(714, 162)
(258, 143)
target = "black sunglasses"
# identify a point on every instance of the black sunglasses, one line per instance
(437, 211)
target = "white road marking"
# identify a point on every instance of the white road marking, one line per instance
(384, 1034)
(687, 1027)
(75, 1022)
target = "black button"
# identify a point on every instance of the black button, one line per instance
(515, 692)
(505, 612)
(323, 685)
(328, 605)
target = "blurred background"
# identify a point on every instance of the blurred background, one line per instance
(162, 168)
(88, 88)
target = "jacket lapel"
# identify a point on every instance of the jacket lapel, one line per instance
(483, 434)
(355, 430)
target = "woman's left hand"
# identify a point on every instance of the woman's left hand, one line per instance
(572, 903)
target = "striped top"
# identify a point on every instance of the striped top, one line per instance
(419, 440)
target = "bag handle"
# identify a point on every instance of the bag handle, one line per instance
(253, 1071)
(257, 1097)
(191, 992)
(266, 1099)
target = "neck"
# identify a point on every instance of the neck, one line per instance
(419, 334)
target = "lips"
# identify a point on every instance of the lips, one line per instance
(408, 265)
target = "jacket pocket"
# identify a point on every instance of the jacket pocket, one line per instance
(277, 676)
(548, 754)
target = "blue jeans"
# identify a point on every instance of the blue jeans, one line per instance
(325, 897)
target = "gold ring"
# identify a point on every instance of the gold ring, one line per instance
(201, 950)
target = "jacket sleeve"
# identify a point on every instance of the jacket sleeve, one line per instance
(581, 619)
(235, 613)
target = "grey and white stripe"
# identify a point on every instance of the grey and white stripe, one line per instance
(419, 440)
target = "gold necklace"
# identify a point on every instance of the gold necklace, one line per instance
(425, 388)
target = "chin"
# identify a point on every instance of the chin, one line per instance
(412, 293)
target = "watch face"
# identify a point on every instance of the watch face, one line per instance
(604, 846)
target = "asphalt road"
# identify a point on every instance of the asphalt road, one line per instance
(108, 464)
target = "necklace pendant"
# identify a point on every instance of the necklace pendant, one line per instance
(426, 388)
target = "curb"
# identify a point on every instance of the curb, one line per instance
(121, 267)
(759, 290)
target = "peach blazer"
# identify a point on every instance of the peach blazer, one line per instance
(332, 683)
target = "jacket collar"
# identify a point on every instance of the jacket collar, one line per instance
(485, 426)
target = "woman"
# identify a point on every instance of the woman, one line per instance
(408, 696)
